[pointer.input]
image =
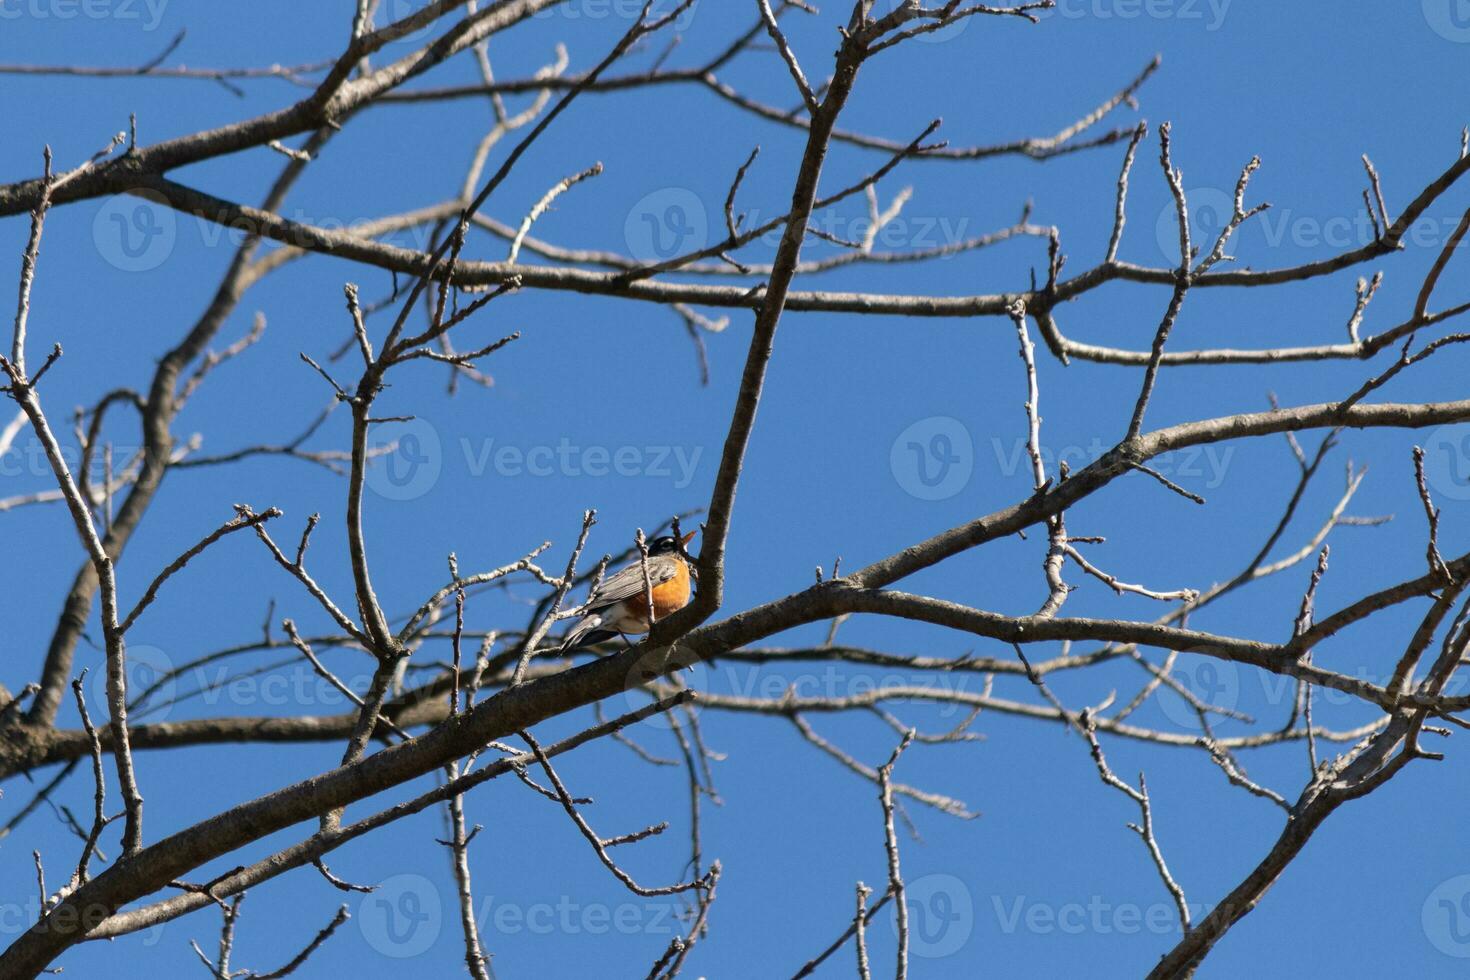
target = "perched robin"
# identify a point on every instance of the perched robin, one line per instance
(619, 606)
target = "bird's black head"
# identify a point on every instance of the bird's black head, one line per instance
(666, 545)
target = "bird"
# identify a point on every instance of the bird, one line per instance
(619, 605)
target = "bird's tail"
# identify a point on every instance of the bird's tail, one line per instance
(579, 633)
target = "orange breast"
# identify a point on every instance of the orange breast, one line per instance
(668, 597)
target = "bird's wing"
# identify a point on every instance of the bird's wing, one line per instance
(584, 626)
(628, 581)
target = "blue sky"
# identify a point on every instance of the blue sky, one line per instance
(1048, 881)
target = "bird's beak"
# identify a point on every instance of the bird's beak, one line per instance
(688, 537)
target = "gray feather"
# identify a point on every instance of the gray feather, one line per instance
(585, 625)
(628, 582)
